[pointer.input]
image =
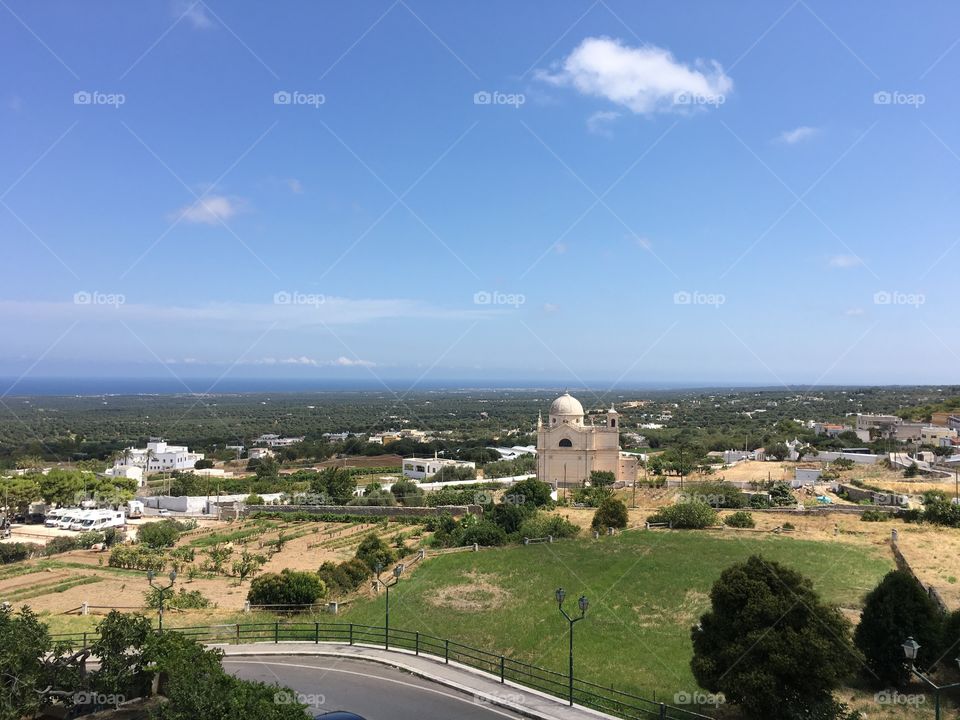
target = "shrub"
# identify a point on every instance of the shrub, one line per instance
(760, 501)
(288, 588)
(875, 516)
(716, 494)
(543, 524)
(509, 516)
(159, 534)
(533, 493)
(688, 516)
(780, 495)
(136, 557)
(184, 600)
(15, 552)
(611, 513)
(483, 533)
(740, 519)
(374, 551)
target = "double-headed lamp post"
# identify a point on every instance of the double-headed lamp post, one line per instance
(162, 590)
(910, 649)
(397, 572)
(583, 603)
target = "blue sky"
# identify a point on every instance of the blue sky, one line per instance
(751, 192)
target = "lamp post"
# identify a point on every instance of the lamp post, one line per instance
(397, 572)
(583, 603)
(162, 590)
(910, 649)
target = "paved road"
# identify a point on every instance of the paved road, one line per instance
(375, 691)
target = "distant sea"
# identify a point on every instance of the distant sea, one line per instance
(173, 386)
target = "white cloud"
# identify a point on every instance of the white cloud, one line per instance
(644, 79)
(295, 185)
(845, 261)
(598, 123)
(209, 210)
(550, 307)
(349, 362)
(798, 134)
(194, 12)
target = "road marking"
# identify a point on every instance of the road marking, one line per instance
(374, 677)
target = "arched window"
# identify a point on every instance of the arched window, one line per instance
(566, 443)
(613, 422)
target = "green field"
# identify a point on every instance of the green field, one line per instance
(646, 589)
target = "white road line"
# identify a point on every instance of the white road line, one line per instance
(367, 675)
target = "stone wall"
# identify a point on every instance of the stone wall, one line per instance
(370, 510)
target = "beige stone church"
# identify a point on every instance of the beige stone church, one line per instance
(568, 450)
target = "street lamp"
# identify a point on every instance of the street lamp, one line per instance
(910, 649)
(397, 572)
(162, 590)
(583, 603)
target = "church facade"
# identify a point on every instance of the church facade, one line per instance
(568, 449)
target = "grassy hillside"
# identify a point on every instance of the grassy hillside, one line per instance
(646, 590)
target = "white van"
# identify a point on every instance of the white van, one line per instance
(102, 519)
(52, 518)
(67, 518)
(82, 517)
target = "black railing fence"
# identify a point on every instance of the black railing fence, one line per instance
(588, 694)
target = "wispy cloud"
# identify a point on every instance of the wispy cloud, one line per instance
(645, 79)
(599, 122)
(845, 261)
(209, 210)
(295, 185)
(798, 134)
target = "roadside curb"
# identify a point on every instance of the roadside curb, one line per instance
(393, 658)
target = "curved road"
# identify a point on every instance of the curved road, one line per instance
(372, 690)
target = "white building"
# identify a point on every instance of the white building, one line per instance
(512, 453)
(272, 440)
(420, 468)
(158, 456)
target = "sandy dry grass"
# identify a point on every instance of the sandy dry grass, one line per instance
(480, 592)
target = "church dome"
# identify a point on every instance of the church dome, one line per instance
(566, 404)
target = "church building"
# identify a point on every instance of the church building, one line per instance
(568, 450)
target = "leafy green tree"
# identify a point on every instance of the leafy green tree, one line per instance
(267, 469)
(337, 483)
(119, 647)
(770, 645)
(611, 513)
(160, 534)
(407, 493)
(532, 492)
(777, 450)
(896, 609)
(912, 471)
(253, 499)
(602, 478)
(24, 642)
(203, 464)
(509, 516)
(248, 565)
(288, 588)
(484, 533)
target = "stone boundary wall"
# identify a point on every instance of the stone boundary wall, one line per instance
(904, 564)
(371, 510)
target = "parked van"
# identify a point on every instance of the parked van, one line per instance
(52, 517)
(80, 518)
(100, 520)
(66, 518)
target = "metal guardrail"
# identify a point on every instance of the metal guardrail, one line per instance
(587, 694)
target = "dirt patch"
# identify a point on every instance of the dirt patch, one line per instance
(479, 593)
(693, 605)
